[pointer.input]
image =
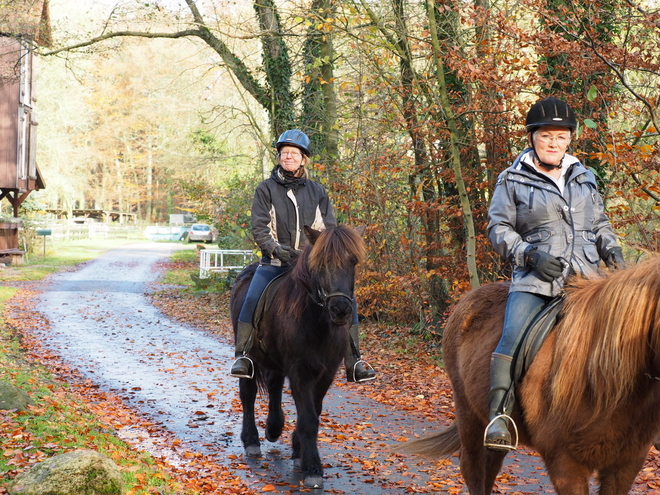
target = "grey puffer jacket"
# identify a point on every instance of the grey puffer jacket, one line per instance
(280, 209)
(528, 208)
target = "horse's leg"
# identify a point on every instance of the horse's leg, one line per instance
(275, 421)
(249, 434)
(306, 434)
(617, 480)
(567, 476)
(479, 466)
(321, 390)
(319, 394)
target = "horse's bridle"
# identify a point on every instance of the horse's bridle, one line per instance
(321, 298)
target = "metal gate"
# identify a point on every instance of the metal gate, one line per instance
(223, 260)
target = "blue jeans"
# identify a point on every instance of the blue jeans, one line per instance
(521, 309)
(262, 277)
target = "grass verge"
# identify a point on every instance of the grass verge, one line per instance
(61, 419)
(181, 264)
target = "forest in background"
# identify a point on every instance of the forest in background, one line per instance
(413, 107)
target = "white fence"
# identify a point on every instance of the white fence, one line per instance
(223, 260)
(93, 230)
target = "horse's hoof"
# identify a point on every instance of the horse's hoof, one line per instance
(253, 450)
(273, 437)
(315, 481)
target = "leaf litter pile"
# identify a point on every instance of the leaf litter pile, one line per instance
(410, 379)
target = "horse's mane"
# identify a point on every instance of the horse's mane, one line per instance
(333, 248)
(603, 344)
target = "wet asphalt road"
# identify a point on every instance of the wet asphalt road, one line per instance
(102, 324)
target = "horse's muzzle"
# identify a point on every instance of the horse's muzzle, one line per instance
(340, 309)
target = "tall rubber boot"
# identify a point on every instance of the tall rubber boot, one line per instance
(356, 371)
(243, 366)
(497, 436)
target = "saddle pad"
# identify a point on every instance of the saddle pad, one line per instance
(535, 335)
(266, 299)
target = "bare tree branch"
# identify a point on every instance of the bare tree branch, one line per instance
(119, 34)
(655, 197)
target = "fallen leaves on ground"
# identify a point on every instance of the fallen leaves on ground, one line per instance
(179, 468)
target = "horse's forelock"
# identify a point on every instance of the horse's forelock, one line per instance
(333, 247)
(602, 344)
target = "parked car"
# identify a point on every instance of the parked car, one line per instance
(201, 232)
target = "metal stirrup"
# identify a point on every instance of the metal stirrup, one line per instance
(251, 376)
(503, 447)
(364, 379)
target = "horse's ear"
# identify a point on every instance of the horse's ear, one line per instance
(360, 230)
(311, 234)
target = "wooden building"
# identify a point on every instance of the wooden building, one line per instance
(24, 24)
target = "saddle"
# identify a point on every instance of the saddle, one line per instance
(265, 300)
(534, 337)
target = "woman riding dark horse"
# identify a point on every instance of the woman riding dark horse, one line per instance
(282, 205)
(302, 335)
(547, 218)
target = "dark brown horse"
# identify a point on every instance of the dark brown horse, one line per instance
(590, 402)
(302, 335)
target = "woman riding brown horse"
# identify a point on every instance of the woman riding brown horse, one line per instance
(590, 401)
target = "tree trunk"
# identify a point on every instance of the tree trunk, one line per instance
(421, 179)
(455, 153)
(319, 115)
(149, 213)
(277, 66)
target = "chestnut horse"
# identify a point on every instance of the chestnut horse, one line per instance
(590, 401)
(302, 335)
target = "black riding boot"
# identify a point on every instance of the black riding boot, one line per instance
(356, 371)
(497, 435)
(243, 367)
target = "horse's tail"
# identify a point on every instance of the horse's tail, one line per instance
(441, 444)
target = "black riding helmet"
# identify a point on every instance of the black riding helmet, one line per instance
(294, 137)
(551, 111)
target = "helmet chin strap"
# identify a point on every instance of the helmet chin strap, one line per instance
(547, 165)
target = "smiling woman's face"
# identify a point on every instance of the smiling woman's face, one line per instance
(551, 143)
(291, 158)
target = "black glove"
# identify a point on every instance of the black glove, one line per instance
(614, 258)
(284, 253)
(547, 266)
